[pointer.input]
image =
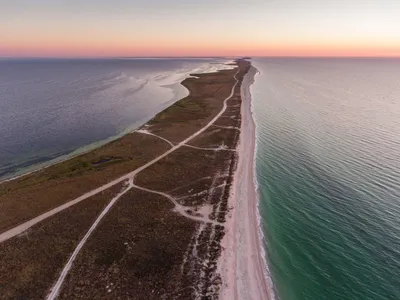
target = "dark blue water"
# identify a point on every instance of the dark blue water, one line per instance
(49, 108)
(328, 167)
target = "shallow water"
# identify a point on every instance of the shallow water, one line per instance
(328, 168)
(55, 107)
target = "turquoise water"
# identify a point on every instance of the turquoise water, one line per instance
(328, 168)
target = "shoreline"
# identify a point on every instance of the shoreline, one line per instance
(187, 83)
(87, 148)
(186, 209)
(242, 266)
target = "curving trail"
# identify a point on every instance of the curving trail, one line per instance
(178, 207)
(57, 286)
(144, 131)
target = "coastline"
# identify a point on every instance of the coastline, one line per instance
(177, 83)
(186, 209)
(242, 266)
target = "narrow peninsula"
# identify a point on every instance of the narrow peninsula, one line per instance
(148, 216)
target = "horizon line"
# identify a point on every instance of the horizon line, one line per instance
(194, 57)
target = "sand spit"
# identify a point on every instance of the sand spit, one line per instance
(162, 238)
(241, 264)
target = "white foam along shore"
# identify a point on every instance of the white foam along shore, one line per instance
(242, 263)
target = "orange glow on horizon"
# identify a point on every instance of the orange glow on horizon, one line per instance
(100, 50)
(118, 47)
(213, 28)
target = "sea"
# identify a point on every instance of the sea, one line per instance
(328, 170)
(52, 109)
(327, 158)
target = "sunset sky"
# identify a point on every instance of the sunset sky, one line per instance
(71, 28)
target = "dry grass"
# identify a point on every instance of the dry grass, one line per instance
(188, 115)
(215, 137)
(135, 253)
(142, 249)
(31, 262)
(31, 195)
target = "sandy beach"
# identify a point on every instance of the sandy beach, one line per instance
(241, 265)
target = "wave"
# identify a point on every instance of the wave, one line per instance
(261, 235)
(327, 167)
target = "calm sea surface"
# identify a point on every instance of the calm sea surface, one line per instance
(50, 108)
(328, 167)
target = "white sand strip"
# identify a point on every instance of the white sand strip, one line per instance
(242, 265)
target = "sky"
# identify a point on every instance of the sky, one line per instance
(78, 28)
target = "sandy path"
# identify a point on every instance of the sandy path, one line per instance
(179, 208)
(56, 288)
(241, 264)
(24, 226)
(144, 131)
